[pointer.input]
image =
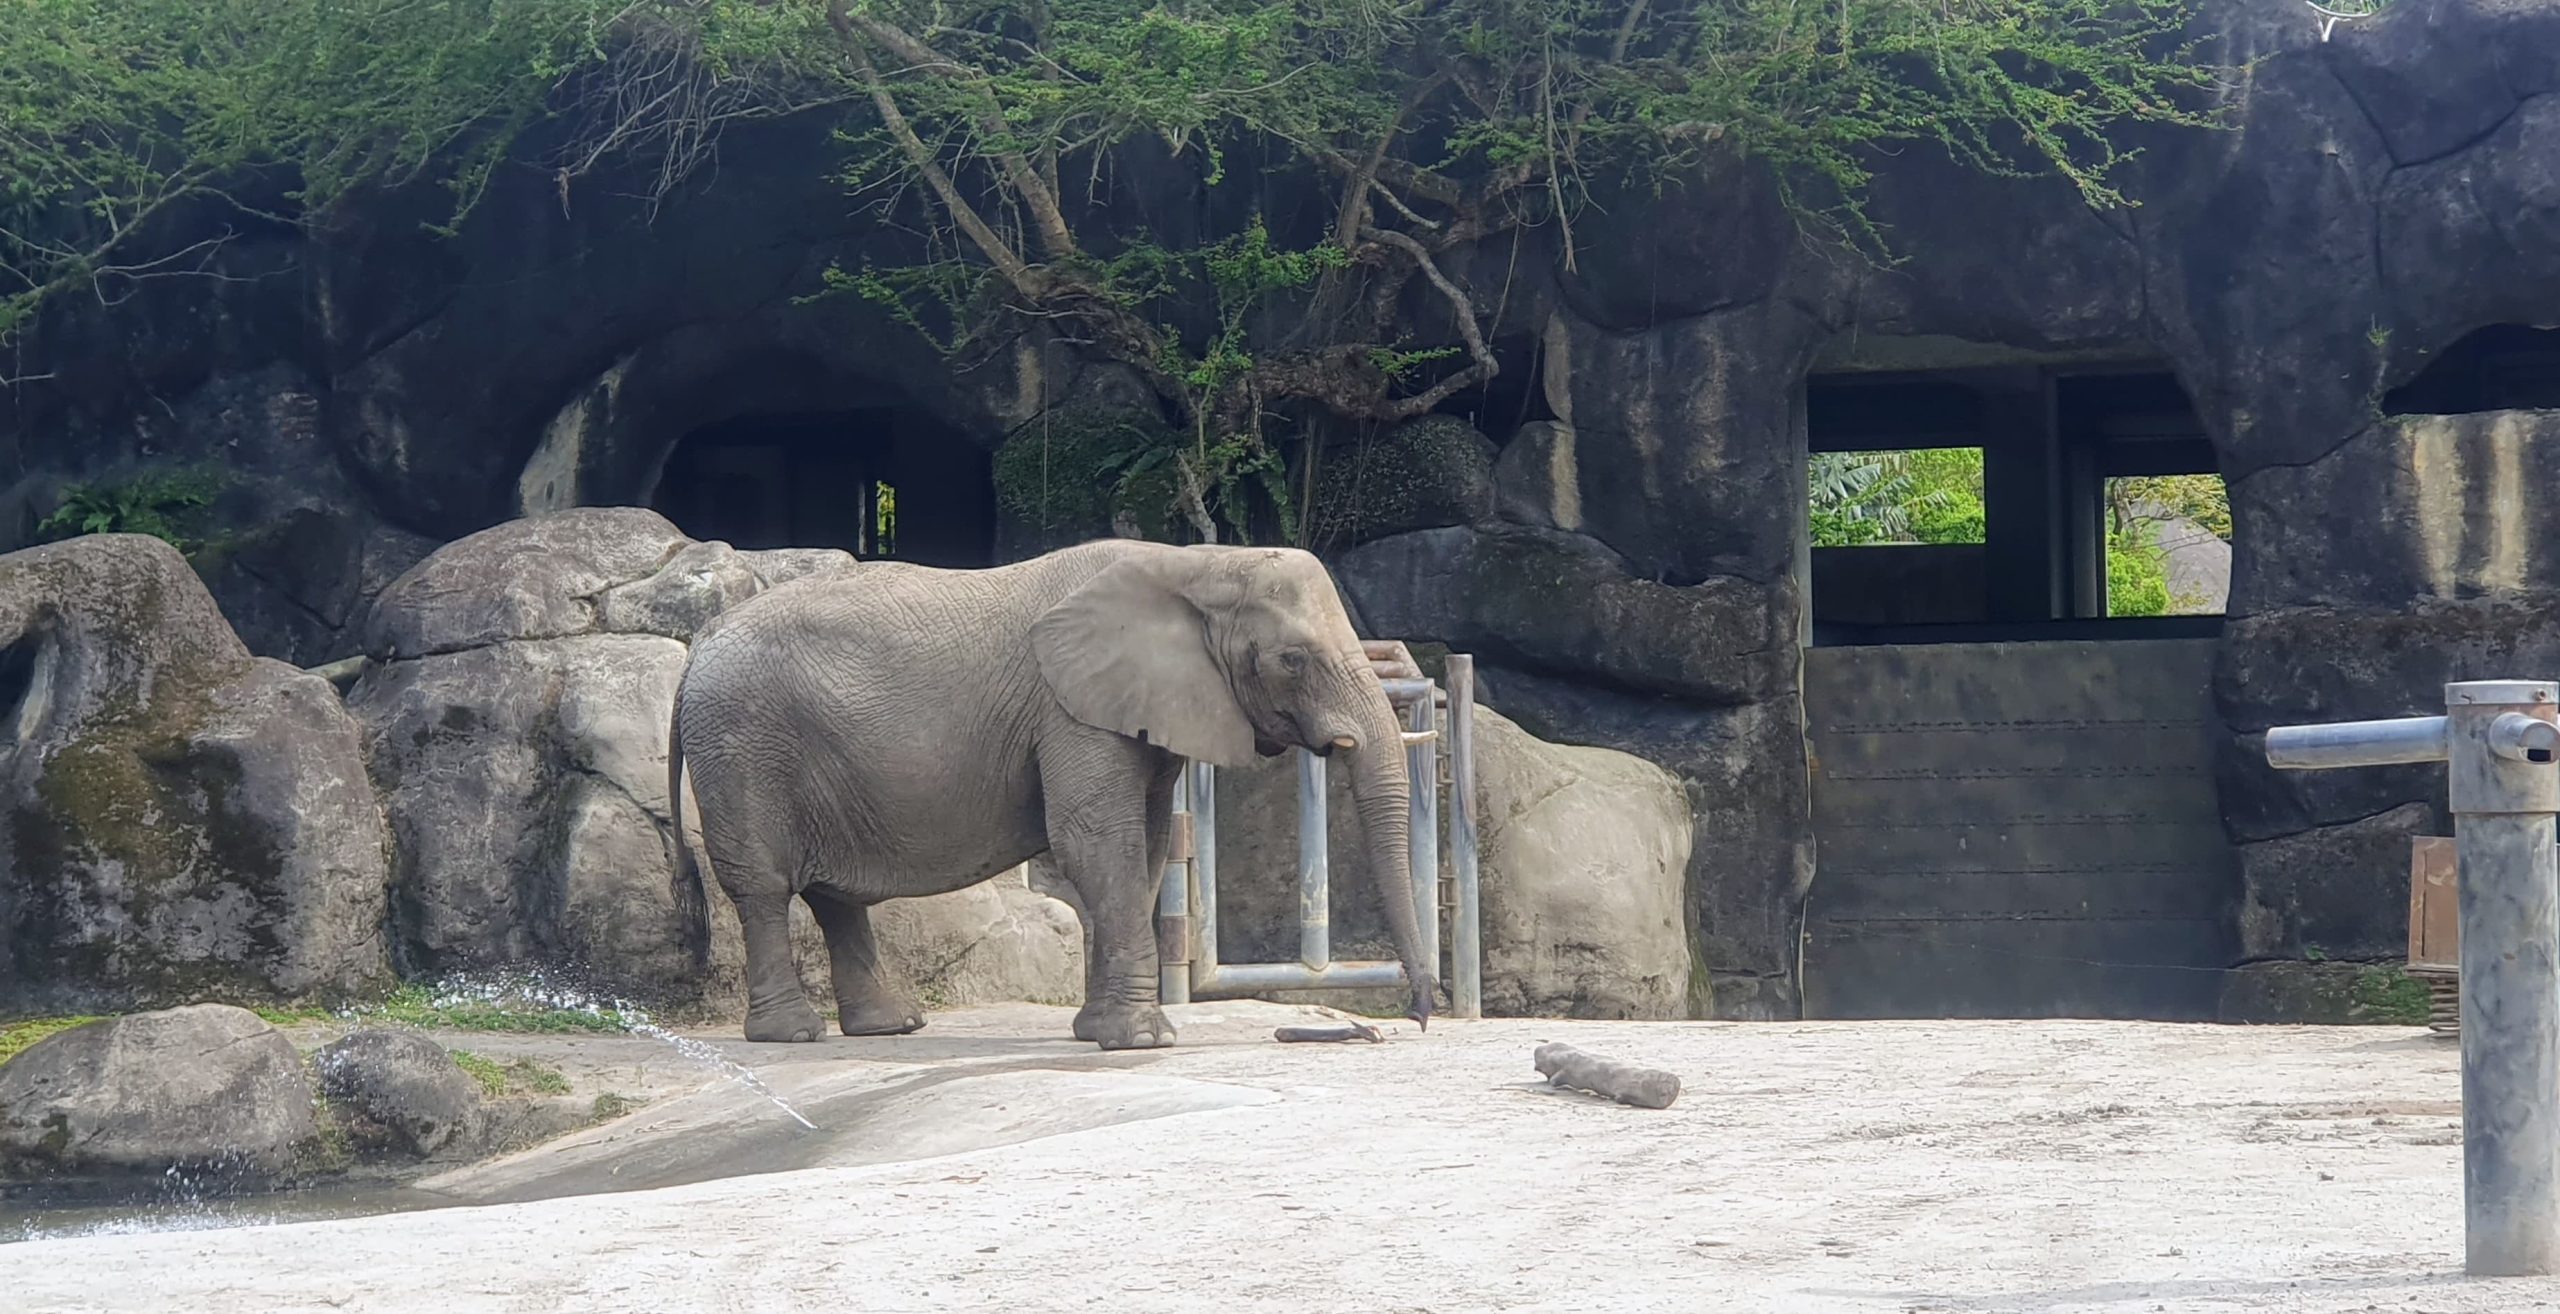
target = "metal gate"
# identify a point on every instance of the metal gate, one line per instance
(2016, 830)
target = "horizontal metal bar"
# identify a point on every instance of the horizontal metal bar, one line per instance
(1237, 980)
(2357, 743)
(1405, 691)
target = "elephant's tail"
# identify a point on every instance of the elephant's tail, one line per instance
(688, 876)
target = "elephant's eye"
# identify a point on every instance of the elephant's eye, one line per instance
(1293, 661)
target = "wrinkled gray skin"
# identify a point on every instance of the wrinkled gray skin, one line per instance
(893, 731)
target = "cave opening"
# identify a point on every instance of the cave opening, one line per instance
(2503, 367)
(882, 484)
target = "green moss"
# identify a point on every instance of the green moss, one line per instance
(2390, 996)
(15, 1037)
(522, 1077)
(609, 1106)
(332, 1148)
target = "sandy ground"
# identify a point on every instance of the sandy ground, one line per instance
(1908, 1167)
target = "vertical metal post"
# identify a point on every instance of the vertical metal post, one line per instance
(1315, 868)
(1466, 945)
(1173, 902)
(2505, 792)
(1204, 873)
(1422, 765)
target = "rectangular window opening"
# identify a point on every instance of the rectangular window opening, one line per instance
(2167, 546)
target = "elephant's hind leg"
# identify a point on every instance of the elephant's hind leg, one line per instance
(866, 1005)
(777, 1004)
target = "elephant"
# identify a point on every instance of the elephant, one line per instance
(889, 730)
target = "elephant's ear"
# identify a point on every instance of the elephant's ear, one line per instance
(1128, 651)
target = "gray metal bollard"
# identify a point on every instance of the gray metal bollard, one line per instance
(2499, 739)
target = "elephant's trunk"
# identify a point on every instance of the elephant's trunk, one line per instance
(1380, 789)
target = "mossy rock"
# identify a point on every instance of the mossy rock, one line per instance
(1067, 476)
(1427, 473)
(2324, 994)
(184, 819)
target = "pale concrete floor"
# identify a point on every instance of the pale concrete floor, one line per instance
(1907, 1167)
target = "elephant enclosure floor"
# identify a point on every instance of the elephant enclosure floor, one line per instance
(1963, 1166)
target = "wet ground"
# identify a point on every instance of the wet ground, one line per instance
(990, 1163)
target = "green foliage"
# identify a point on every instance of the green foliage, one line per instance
(420, 1006)
(1862, 499)
(993, 129)
(15, 1037)
(491, 1074)
(162, 504)
(2139, 508)
(1065, 475)
(2137, 572)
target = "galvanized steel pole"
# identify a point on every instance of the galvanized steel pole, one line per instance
(1315, 869)
(2499, 739)
(1466, 986)
(1204, 875)
(2505, 791)
(1422, 765)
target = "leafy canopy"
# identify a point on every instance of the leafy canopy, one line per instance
(137, 131)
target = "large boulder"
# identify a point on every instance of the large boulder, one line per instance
(516, 727)
(407, 1086)
(1426, 473)
(181, 817)
(991, 943)
(1582, 858)
(205, 1089)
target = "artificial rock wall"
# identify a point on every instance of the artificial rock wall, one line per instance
(1631, 579)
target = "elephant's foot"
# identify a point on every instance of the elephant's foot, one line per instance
(794, 1022)
(1127, 1028)
(1088, 1026)
(879, 1017)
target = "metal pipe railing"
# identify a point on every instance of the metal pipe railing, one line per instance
(2498, 739)
(1193, 913)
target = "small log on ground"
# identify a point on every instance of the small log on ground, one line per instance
(1329, 1035)
(1645, 1088)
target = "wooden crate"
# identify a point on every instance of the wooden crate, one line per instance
(2435, 929)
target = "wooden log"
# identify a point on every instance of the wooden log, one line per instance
(1645, 1088)
(1329, 1035)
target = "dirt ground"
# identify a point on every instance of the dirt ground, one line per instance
(1908, 1167)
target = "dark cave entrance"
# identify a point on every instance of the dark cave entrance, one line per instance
(2504, 367)
(881, 484)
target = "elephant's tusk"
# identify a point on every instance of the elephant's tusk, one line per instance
(1345, 741)
(1420, 736)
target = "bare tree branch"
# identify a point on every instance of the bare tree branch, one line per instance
(1055, 238)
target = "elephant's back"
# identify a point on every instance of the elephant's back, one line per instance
(882, 692)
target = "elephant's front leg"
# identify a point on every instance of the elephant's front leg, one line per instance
(1109, 817)
(866, 1005)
